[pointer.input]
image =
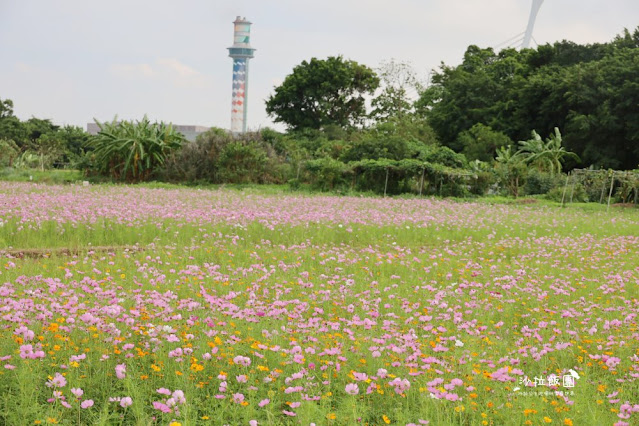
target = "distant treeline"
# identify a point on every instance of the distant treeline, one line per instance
(509, 122)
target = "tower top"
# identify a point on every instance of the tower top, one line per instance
(241, 39)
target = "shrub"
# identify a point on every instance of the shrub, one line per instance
(242, 162)
(538, 182)
(197, 161)
(327, 173)
(578, 194)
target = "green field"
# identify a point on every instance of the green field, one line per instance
(198, 306)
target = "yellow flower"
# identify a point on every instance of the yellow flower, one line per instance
(175, 424)
(204, 417)
(547, 419)
(52, 420)
(155, 367)
(197, 367)
(567, 422)
(331, 416)
(386, 419)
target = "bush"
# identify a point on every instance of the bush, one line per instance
(197, 161)
(444, 156)
(242, 162)
(327, 173)
(481, 185)
(538, 182)
(578, 194)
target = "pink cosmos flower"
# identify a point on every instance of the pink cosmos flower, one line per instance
(178, 395)
(242, 360)
(120, 371)
(360, 377)
(161, 407)
(58, 381)
(77, 392)
(126, 401)
(352, 389)
(86, 403)
(264, 402)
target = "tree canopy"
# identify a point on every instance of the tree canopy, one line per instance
(323, 92)
(591, 92)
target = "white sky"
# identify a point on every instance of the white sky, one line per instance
(75, 60)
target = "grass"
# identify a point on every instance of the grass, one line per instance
(58, 176)
(309, 289)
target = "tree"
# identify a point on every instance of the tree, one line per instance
(8, 152)
(6, 108)
(323, 92)
(49, 148)
(398, 80)
(11, 129)
(481, 142)
(132, 151)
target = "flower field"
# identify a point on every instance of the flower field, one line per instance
(183, 306)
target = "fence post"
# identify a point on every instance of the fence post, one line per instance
(563, 196)
(386, 183)
(612, 181)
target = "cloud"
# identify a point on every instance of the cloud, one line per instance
(131, 70)
(176, 66)
(165, 70)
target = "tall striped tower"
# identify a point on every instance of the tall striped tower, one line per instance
(241, 52)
